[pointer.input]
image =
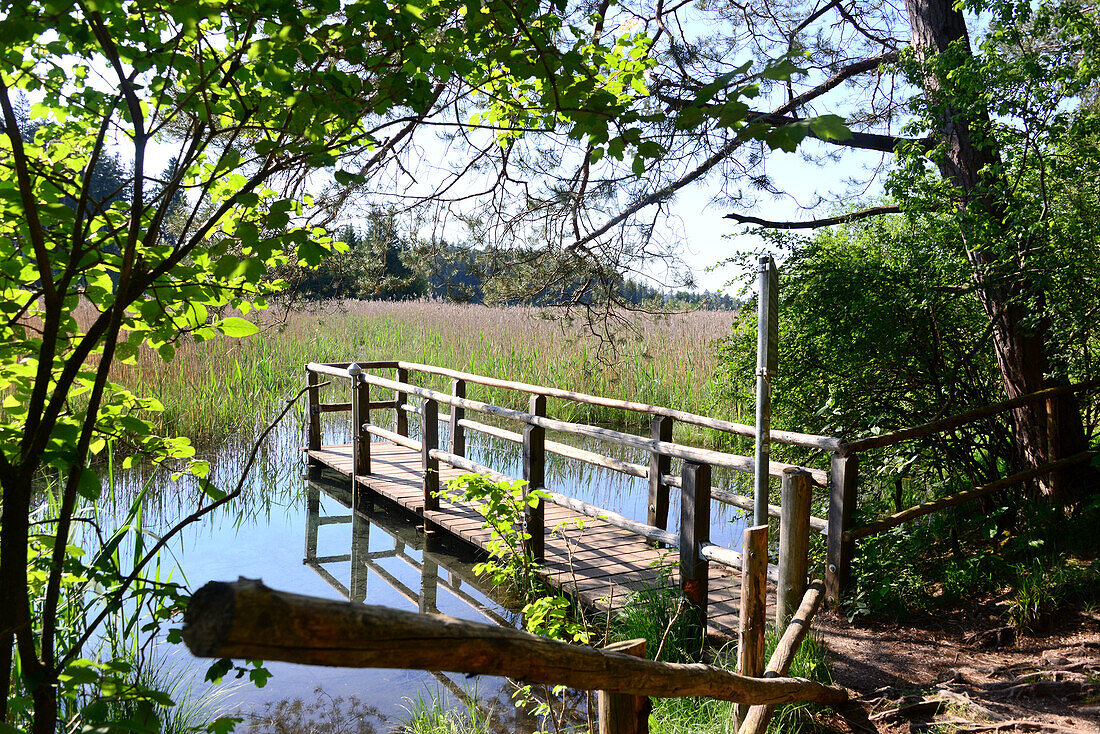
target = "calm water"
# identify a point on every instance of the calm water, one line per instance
(299, 536)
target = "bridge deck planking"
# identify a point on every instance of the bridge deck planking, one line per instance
(598, 563)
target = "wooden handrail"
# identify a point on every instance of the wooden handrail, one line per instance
(959, 498)
(706, 456)
(826, 443)
(247, 620)
(945, 424)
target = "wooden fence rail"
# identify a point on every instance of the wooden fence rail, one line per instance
(247, 620)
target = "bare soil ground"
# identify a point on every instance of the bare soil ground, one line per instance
(966, 672)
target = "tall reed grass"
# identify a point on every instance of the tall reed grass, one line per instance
(216, 388)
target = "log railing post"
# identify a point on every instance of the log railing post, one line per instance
(534, 473)
(622, 713)
(429, 440)
(843, 475)
(751, 628)
(360, 415)
(694, 532)
(794, 544)
(401, 422)
(458, 433)
(313, 419)
(659, 466)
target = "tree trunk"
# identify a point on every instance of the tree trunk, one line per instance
(1021, 344)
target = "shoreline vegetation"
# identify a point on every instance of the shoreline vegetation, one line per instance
(216, 388)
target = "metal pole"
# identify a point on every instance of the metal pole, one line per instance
(766, 359)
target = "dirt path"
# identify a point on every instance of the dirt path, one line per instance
(966, 673)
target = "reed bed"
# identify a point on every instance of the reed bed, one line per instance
(215, 389)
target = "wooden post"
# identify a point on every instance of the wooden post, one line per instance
(360, 548)
(313, 519)
(750, 632)
(458, 433)
(429, 440)
(621, 713)
(794, 544)
(694, 531)
(313, 421)
(401, 422)
(360, 415)
(843, 475)
(534, 473)
(659, 466)
(429, 585)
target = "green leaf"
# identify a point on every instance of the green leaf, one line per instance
(235, 326)
(830, 127)
(89, 485)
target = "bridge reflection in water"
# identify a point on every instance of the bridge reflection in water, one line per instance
(428, 579)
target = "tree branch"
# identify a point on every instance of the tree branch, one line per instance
(816, 223)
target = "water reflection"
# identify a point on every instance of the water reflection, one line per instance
(387, 558)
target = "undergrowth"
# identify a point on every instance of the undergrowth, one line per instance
(1039, 558)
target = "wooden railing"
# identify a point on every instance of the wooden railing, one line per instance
(843, 533)
(693, 540)
(247, 620)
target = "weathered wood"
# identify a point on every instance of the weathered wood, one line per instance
(621, 713)
(360, 418)
(751, 629)
(313, 439)
(562, 449)
(461, 462)
(659, 465)
(246, 620)
(843, 478)
(819, 524)
(534, 473)
(756, 722)
(399, 399)
(458, 432)
(967, 495)
(794, 545)
(825, 443)
(397, 438)
(655, 534)
(344, 407)
(946, 424)
(429, 440)
(703, 456)
(694, 533)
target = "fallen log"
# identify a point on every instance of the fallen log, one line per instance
(245, 619)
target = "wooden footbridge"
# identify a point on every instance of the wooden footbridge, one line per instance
(594, 555)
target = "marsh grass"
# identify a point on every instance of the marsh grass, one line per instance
(710, 716)
(220, 387)
(427, 713)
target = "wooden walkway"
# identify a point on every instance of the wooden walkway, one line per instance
(601, 565)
